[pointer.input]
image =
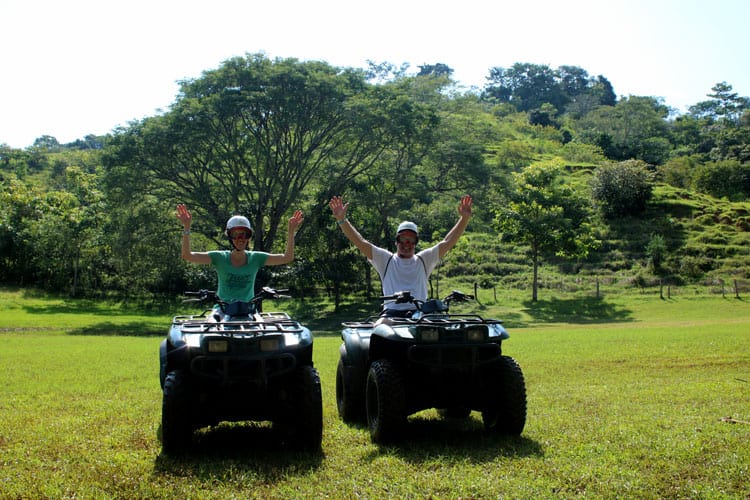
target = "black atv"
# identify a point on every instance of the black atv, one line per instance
(390, 368)
(235, 363)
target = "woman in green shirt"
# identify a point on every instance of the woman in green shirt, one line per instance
(236, 269)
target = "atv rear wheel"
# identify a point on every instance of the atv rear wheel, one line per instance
(176, 414)
(385, 401)
(505, 410)
(349, 400)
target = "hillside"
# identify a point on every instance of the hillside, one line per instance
(708, 240)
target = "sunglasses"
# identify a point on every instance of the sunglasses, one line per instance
(403, 239)
(240, 235)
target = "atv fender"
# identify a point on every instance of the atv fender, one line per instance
(354, 350)
(162, 362)
(384, 330)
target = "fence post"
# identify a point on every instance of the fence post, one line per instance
(476, 295)
(736, 289)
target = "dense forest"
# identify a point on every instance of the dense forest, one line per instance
(568, 179)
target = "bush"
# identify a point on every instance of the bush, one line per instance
(582, 153)
(621, 189)
(725, 179)
(677, 172)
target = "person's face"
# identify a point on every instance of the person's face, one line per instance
(240, 237)
(406, 243)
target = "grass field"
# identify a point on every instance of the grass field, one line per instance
(634, 398)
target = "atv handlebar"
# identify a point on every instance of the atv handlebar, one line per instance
(406, 297)
(458, 296)
(264, 293)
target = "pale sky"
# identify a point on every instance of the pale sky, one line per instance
(76, 67)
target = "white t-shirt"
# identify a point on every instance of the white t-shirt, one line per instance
(404, 274)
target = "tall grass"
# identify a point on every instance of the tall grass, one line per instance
(633, 405)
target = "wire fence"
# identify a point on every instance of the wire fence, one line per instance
(600, 287)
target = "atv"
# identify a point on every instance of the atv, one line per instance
(236, 363)
(392, 367)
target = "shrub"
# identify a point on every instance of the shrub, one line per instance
(724, 179)
(621, 189)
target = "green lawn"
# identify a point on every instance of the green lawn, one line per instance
(626, 399)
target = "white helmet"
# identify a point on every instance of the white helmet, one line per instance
(239, 221)
(407, 226)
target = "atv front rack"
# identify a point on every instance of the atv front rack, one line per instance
(272, 323)
(438, 319)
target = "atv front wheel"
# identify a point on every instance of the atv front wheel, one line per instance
(385, 401)
(308, 409)
(505, 409)
(176, 415)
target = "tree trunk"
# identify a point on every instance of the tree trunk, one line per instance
(536, 277)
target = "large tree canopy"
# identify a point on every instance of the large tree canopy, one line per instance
(250, 136)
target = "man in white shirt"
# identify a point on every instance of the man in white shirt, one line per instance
(406, 269)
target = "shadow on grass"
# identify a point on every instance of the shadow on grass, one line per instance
(131, 329)
(577, 310)
(456, 440)
(92, 307)
(217, 453)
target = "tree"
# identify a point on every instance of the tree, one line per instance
(567, 88)
(547, 215)
(635, 128)
(723, 179)
(251, 135)
(723, 105)
(52, 238)
(47, 143)
(724, 131)
(526, 86)
(656, 251)
(621, 189)
(21, 204)
(438, 69)
(599, 92)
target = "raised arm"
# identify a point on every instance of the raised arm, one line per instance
(277, 259)
(186, 218)
(464, 212)
(339, 208)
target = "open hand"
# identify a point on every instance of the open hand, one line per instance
(184, 215)
(296, 220)
(338, 207)
(464, 208)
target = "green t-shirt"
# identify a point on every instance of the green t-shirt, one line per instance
(236, 283)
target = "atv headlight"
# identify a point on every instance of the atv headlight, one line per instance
(476, 334)
(291, 339)
(429, 334)
(217, 345)
(269, 345)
